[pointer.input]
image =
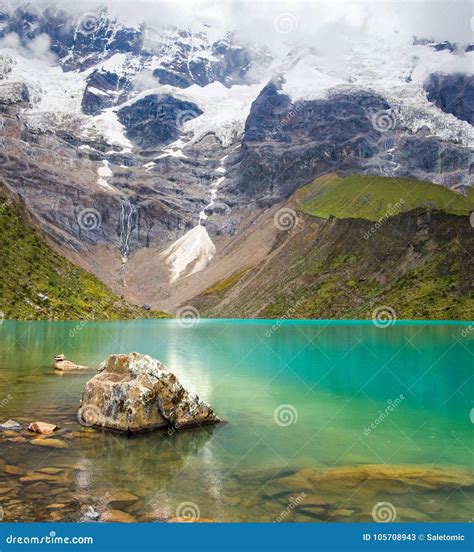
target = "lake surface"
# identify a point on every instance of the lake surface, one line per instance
(296, 395)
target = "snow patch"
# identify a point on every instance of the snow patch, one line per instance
(109, 127)
(189, 254)
(104, 173)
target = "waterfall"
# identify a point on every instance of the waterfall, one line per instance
(128, 223)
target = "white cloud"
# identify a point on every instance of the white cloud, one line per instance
(436, 19)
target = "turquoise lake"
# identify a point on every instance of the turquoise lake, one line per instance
(296, 396)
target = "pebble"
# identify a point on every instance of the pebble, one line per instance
(52, 443)
(117, 516)
(10, 424)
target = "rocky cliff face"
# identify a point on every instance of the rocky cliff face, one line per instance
(122, 139)
(453, 94)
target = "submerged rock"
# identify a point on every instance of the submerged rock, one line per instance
(377, 477)
(117, 516)
(10, 424)
(61, 364)
(135, 393)
(42, 428)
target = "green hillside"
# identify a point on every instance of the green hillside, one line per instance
(377, 197)
(36, 282)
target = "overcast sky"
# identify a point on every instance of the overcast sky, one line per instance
(273, 21)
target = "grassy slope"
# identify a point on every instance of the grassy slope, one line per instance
(376, 197)
(329, 270)
(30, 267)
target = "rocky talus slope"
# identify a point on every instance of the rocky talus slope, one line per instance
(417, 262)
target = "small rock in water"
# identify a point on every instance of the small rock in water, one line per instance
(92, 514)
(135, 392)
(117, 516)
(10, 424)
(42, 427)
(61, 364)
(53, 443)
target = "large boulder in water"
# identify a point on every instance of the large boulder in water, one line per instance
(136, 392)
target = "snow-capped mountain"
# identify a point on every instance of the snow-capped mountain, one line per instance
(122, 138)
